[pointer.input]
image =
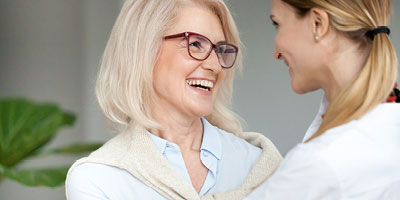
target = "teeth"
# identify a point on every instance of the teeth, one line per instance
(204, 83)
(202, 89)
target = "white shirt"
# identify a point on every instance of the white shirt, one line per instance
(228, 158)
(358, 160)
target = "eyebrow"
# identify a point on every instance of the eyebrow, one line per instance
(210, 39)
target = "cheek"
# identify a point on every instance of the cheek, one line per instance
(221, 81)
(164, 72)
(159, 80)
(221, 78)
(285, 41)
(279, 42)
(172, 64)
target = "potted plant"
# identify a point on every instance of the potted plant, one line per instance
(25, 128)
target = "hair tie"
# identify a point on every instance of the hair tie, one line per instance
(397, 94)
(380, 29)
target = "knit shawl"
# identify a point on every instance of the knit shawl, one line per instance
(134, 152)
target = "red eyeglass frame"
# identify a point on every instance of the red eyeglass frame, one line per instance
(213, 46)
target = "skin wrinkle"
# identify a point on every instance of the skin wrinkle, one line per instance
(178, 118)
(178, 107)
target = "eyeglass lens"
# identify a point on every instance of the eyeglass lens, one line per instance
(200, 48)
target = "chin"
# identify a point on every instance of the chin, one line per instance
(298, 89)
(202, 112)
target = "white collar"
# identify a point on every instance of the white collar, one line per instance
(392, 110)
(317, 120)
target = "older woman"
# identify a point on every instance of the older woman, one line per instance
(166, 84)
(352, 149)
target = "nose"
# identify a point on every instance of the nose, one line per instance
(277, 55)
(212, 63)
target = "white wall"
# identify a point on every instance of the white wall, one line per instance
(50, 50)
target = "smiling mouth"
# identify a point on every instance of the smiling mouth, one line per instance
(286, 63)
(281, 57)
(201, 84)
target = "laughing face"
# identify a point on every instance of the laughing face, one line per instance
(182, 84)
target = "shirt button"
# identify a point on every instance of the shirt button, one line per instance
(205, 154)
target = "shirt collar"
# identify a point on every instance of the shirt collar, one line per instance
(211, 140)
(160, 143)
(317, 120)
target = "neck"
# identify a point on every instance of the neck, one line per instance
(185, 131)
(343, 67)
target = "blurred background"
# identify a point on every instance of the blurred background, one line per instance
(50, 52)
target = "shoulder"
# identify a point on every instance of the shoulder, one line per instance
(238, 156)
(301, 167)
(365, 139)
(362, 153)
(237, 146)
(307, 162)
(89, 170)
(99, 181)
(335, 148)
(89, 181)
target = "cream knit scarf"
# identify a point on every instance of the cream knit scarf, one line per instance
(134, 152)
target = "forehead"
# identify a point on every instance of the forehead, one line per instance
(198, 19)
(281, 9)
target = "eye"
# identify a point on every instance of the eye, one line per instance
(196, 44)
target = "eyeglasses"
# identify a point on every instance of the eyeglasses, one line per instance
(199, 48)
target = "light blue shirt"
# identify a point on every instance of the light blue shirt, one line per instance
(210, 153)
(228, 159)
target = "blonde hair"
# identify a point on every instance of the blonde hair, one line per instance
(124, 86)
(376, 79)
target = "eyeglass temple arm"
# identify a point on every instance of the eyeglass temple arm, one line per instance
(176, 35)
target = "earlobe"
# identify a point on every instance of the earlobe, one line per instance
(320, 23)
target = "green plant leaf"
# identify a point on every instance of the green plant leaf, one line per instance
(50, 177)
(26, 126)
(77, 148)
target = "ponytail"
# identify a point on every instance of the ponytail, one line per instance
(375, 81)
(372, 87)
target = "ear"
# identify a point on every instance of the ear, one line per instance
(320, 23)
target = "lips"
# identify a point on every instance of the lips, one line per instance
(286, 63)
(282, 57)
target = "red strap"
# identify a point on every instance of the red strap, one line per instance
(392, 97)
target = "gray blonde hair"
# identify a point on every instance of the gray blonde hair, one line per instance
(124, 86)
